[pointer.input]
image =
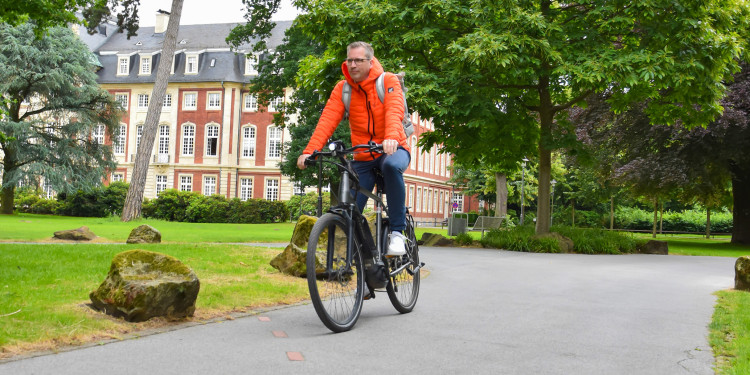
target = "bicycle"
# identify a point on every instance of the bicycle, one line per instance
(343, 255)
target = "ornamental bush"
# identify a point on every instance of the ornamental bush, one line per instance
(174, 205)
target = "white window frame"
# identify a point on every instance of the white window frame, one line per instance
(167, 103)
(191, 105)
(123, 65)
(275, 137)
(457, 198)
(161, 183)
(143, 102)
(163, 140)
(217, 104)
(419, 200)
(246, 188)
(272, 189)
(186, 183)
(411, 197)
(212, 133)
(117, 177)
(145, 66)
(138, 135)
(188, 139)
(209, 185)
(250, 103)
(251, 64)
(98, 134)
(441, 202)
(275, 103)
(119, 145)
(414, 151)
(191, 67)
(249, 141)
(122, 98)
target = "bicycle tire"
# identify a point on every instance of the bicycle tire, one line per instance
(336, 293)
(403, 288)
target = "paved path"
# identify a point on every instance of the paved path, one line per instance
(480, 311)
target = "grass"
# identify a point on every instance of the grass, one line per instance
(730, 332)
(31, 227)
(44, 289)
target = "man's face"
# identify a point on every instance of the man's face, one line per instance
(358, 64)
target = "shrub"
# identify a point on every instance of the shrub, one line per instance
(45, 206)
(463, 239)
(171, 205)
(203, 209)
(307, 204)
(586, 241)
(25, 197)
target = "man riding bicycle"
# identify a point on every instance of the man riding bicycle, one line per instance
(370, 120)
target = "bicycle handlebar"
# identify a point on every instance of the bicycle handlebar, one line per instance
(338, 150)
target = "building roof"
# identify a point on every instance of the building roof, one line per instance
(207, 40)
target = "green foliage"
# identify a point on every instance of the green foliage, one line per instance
(463, 239)
(586, 241)
(307, 204)
(97, 202)
(730, 332)
(175, 205)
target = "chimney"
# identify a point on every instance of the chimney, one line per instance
(162, 20)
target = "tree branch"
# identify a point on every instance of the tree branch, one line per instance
(573, 101)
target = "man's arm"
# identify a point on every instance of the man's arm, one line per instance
(332, 115)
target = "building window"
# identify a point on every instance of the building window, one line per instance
(167, 101)
(428, 207)
(275, 104)
(123, 100)
(212, 140)
(427, 162)
(188, 139)
(190, 101)
(142, 102)
(274, 142)
(117, 177)
(214, 100)
(248, 142)
(422, 202)
(119, 147)
(272, 189)
(419, 200)
(251, 65)
(48, 192)
(251, 103)
(123, 65)
(145, 64)
(440, 202)
(458, 202)
(414, 151)
(98, 134)
(297, 189)
(209, 185)
(161, 183)
(191, 67)
(163, 139)
(138, 134)
(246, 188)
(411, 197)
(186, 183)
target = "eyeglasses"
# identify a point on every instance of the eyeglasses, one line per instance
(356, 61)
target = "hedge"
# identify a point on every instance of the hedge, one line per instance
(632, 218)
(175, 205)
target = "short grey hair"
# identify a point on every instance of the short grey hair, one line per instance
(369, 52)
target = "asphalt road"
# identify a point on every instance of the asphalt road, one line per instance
(480, 311)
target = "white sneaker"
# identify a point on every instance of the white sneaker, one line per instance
(397, 246)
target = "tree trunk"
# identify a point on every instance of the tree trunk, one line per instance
(661, 218)
(501, 187)
(7, 200)
(134, 199)
(611, 213)
(656, 217)
(741, 200)
(708, 223)
(546, 116)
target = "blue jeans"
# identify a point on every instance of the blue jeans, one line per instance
(392, 167)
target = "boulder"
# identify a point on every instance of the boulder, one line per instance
(80, 234)
(566, 244)
(433, 239)
(655, 247)
(742, 273)
(144, 234)
(143, 284)
(293, 260)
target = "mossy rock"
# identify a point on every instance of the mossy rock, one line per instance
(144, 234)
(143, 284)
(742, 273)
(80, 234)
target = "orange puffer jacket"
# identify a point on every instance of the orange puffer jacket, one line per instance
(369, 119)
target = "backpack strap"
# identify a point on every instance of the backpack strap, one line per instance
(346, 97)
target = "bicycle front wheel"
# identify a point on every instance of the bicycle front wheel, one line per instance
(335, 280)
(403, 288)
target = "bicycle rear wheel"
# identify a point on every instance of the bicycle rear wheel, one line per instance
(336, 283)
(403, 288)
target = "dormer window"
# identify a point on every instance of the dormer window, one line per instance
(123, 66)
(191, 67)
(145, 65)
(251, 65)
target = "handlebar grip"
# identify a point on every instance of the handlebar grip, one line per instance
(310, 160)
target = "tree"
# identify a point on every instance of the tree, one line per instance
(503, 72)
(134, 199)
(52, 105)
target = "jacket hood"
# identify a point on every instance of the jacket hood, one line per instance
(375, 71)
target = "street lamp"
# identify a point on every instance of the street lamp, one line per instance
(523, 177)
(552, 203)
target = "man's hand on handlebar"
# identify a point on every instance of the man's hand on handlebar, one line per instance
(390, 146)
(301, 161)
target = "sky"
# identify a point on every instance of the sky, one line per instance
(208, 11)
